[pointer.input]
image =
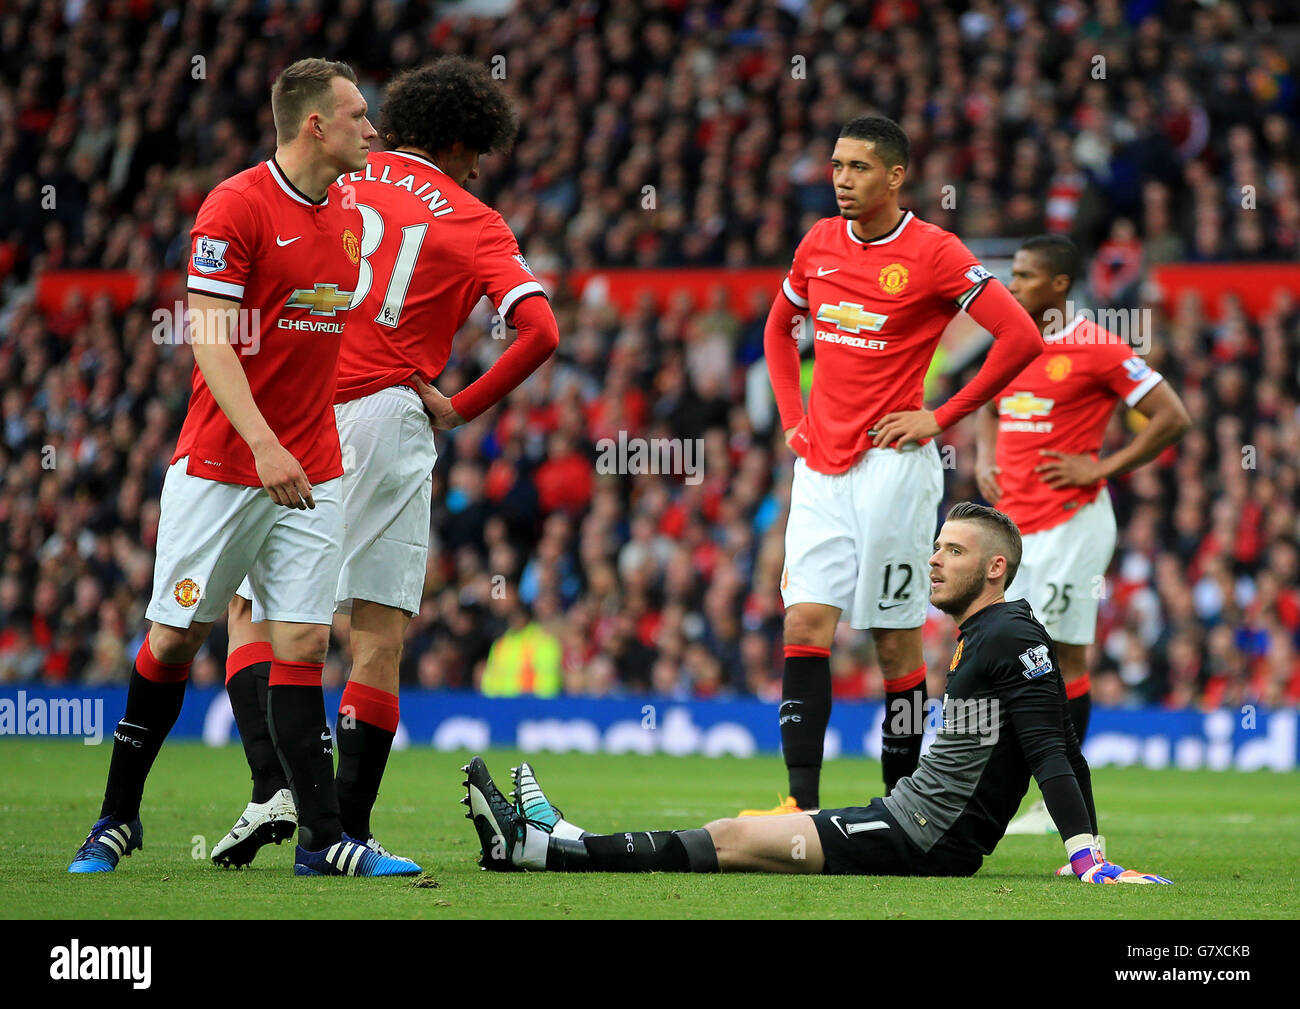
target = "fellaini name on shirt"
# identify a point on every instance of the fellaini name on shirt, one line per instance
(428, 194)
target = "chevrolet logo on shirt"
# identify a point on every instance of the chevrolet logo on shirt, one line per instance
(851, 318)
(1025, 406)
(324, 299)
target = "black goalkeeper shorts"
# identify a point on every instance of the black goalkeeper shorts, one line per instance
(867, 841)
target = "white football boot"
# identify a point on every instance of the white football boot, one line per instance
(262, 823)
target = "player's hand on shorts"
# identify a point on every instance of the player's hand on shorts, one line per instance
(283, 477)
(986, 477)
(1090, 867)
(903, 427)
(442, 414)
(1061, 470)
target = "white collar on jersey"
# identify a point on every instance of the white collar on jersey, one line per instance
(1074, 323)
(292, 191)
(887, 237)
(416, 157)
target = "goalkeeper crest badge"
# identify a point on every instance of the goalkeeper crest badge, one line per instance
(1036, 661)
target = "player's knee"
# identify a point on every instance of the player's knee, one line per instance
(303, 643)
(378, 657)
(725, 834)
(173, 645)
(732, 840)
(808, 627)
(240, 610)
(1074, 661)
(897, 654)
(1072, 674)
(888, 651)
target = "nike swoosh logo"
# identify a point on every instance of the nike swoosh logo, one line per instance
(826, 273)
(289, 242)
(858, 828)
(893, 605)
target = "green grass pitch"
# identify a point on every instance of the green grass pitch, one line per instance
(1230, 841)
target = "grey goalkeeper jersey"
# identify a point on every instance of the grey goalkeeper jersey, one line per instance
(1004, 719)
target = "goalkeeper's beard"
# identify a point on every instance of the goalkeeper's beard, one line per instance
(963, 593)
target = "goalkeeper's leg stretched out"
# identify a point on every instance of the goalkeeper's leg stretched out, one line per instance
(530, 833)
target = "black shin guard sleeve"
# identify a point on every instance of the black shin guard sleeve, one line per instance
(296, 715)
(151, 711)
(642, 851)
(901, 733)
(805, 712)
(247, 692)
(363, 755)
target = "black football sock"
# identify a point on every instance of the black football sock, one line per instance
(153, 703)
(366, 725)
(643, 851)
(296, 714)
(805, 712)
(248, 671)
(903, 727)
(1080, 711)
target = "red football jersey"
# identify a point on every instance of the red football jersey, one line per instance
(878, 309)
(1062, 401)
(262, 244)
(430, 251)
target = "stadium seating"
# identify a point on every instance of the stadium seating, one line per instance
(113, 129)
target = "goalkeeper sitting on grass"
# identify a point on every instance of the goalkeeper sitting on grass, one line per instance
(1005, 718)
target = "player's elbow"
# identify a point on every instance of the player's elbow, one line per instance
(784, 323)
(537, 323)
(1029, 341)
(1049, 760)
(1180, 421)
(549, 342)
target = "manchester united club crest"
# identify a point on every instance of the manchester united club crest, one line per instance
(1058, 367)
(956, 656)
(187, 592)
(893, 278)
(352, 246)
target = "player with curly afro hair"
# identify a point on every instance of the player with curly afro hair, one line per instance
(449, 101)
(416, 288)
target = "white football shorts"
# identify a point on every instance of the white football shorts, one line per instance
(861, 540)
(388, 460)
(1063, 571)
(212, 535)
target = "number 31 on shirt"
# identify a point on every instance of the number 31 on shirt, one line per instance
(390, 312)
